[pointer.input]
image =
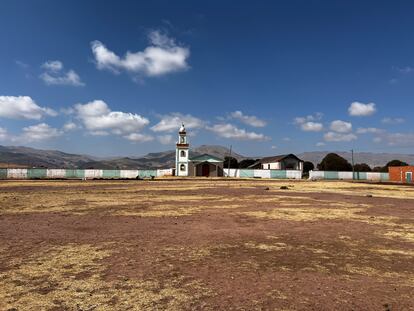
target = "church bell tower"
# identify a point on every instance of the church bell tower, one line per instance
(181, 154)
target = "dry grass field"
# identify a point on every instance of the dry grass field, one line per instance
(206, 244)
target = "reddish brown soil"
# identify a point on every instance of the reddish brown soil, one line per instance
(237, 277)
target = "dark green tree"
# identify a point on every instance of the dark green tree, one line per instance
(246, 163)
(393, 163)
(334, 162)
(377, 169)
(362, 167)
(308, 166)
(233, 162)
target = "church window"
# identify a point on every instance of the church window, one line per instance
(182, 167)
(182, 153)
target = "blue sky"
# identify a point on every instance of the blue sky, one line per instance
(268, 77)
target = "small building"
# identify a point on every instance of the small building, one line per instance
(205, 165)
(402, 174)
(202, 165)
(280, 162)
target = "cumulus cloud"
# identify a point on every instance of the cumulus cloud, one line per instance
(23, 107)
(369, 130)
(99, 120)
(320, 144)
(70, 126)
(230, 131)
(311, 127)
(388, 120)
(55, 75)
(358, 109)
(165, 139)
(396, 139)
(3, 133)
(172, 122)
(249, 120)
(39, 132)
(137, 137)
(341, 126)
(161, 57)
(308, 123)
(339, 137)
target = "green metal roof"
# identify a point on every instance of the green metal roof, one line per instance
(206, 158)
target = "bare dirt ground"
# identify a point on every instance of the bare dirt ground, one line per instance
(206, 244)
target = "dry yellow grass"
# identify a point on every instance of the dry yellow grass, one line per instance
(70, 277)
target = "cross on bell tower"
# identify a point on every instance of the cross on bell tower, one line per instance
(181, 154)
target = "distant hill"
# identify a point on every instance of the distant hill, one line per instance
(372, 159)
(12, 156)
(31, 157)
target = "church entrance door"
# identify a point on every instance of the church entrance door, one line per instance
(205, 169)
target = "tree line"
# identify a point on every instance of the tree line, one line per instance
(331, 162)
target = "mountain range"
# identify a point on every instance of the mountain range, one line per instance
(18, 156)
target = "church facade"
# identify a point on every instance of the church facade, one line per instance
(201, 165)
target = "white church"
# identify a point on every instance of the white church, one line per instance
(201, 165)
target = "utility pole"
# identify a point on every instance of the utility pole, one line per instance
(228, 165)
(352, 159)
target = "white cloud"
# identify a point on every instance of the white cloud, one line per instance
(369, 130)
(165, 139)
(311, 127)
(70, 126)
(361, 110)
(249, 120)
(406, 69)
(53, 65)
(286, 139)
(137, 137)
(54, 75)
(22, 107)
(337, 137)
(161, 57)
(98, 133)
(320, 144)
(341, 126)
(273, 147)
(39, 132)
(232, 132)
(3, 134)
(96, 116)
(308, 123)
(397, 139)
(393, 120)
(21, 64)
(99, 120)
(172, 122)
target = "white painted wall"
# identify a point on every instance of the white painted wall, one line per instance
(56, 173)
(19, 173)
(93, 174)
(271, 166)
(164, 172)
(293, 174)
(128, 173)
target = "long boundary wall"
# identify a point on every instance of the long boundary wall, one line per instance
(249, 173)
(42, 173)
(333, 175)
